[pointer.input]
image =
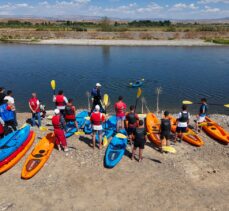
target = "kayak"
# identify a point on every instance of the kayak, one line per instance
(153, 128)
(16, 156)
(137, 83)
(80, 118)
(38, 157)
(190, 136)
(116, 149)
(107, 133)
(13, 141)
(215, 131)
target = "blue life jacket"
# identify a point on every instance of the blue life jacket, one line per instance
(5, 114)
(95, 93)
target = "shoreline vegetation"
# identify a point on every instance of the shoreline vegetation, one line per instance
(108, 32)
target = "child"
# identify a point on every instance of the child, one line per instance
(139, 140)
(165, 130)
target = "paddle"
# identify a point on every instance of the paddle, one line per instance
(120, 135)
(79, 133)
(42, 128)
(105, 102)
(187, 102)
(139, 93)
(105, 141)
(53, 86)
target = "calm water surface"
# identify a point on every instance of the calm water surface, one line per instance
(182, 72)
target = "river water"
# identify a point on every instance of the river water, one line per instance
(183, 73)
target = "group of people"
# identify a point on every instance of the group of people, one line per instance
(65, 112)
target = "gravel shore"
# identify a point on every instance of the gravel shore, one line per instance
(193, 179)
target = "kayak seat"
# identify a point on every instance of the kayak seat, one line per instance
(43, 151)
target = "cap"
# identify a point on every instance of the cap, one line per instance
(56, 111)
(97, 108)
(98, 84)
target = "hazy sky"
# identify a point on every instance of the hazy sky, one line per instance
(177, 9)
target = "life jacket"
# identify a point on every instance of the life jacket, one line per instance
(56, 122)
(60, 100)
(69, 113)
(1, 129)
(132, 119)
(203, 110)
(184, 117)
(165, 125)
(95, 93)
(140, 134)
(6, 114)
(33, 104)
(120, 108)
(97, 118)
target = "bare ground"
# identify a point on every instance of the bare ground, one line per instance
(192, 179)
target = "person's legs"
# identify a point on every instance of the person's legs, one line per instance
(33, 119)
(57, 140)
(140, 154)
(118, 124)
(15, 118)
(122, 124)
(133, 152)
(93, 138)
(100, 132)
(38, 118)
(76, 124)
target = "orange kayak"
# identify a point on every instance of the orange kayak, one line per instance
(38, 156)
(16, 157)
(153, 128)
(190, 136)
(215, 131)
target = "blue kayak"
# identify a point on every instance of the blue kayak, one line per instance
(13, 141)
(116, 149)
(137, 83)
(80, 118)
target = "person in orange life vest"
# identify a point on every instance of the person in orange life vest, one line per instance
(59, 130)
(120, 108)
(60, 101)
(97, 120)
(70, 113)
(1, 128)
(34, 106)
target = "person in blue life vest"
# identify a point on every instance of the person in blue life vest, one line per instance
(96, 97)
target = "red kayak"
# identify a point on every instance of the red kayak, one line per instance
(20, 149)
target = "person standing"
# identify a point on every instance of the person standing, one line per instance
(165, 130)
(202, 113)
(61, 101)
(97, 119)
(132, 119)
(34, 106)
(96, 97)
(70, 113)
(140, 137)
(2, 95)
(2, 131)
(59, 130)
(11, 102)
(120, 109)
(182, 122)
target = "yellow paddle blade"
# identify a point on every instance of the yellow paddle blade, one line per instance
(87, 118)
(53, 84)
(169, 149)
(142, 116)
(139, 93)
(105, 141)
(186, 102)
(120, 135)
(50, 117)
(42, 128)
(227, 105)
(105, 99)
(79, 133)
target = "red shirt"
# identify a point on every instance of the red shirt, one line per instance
(120, 108)
(34, 103)
(97, 118)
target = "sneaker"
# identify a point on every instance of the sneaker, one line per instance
(66, 149)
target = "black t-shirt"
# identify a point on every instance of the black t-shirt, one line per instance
(165, 125)
(2, 96)
(140, 134)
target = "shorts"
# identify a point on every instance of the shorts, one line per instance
(165, 135)
(181, 129)
(121, 118)
(97, 129)
(139, 144)
(100, 132)
(200, 119)
(130, 130)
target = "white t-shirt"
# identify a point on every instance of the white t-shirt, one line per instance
(183, 124)
(10, 101)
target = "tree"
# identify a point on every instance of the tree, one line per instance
(105, 24)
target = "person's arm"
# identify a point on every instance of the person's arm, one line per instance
(2, 122)
(54, 98)
(38, 105)
(31, 108)
(65, 100)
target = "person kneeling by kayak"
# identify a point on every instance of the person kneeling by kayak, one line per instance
(202, 113)
(70, 113)
(132, 119)
(165, 130)
(140, 137)
(97, 120)
(182, 122)
(59, 130)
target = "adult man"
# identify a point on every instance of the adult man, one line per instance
(182, 122)
(165, 130)
(60, 101)
(34, 106)
(202, 112)
(59, 128)
(97, 119)
(96, 97)
(120, 108)
(11, 102)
